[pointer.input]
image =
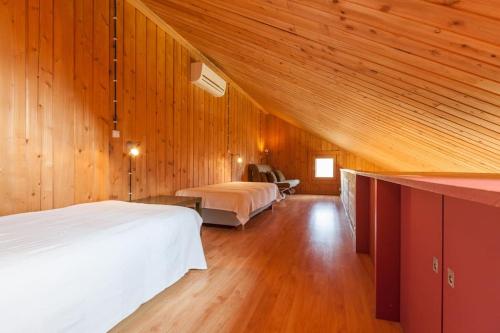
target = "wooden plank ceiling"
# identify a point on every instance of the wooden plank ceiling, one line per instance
(411, 85)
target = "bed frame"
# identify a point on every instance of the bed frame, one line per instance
(226, 218)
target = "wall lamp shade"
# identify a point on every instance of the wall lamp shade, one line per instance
(133, 149)
(134, 152)
(239, 160)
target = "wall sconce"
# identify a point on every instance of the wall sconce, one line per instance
(264, 156)
(239, 159)
(133, 151)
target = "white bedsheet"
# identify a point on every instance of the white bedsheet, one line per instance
(242, 198)
(84, 268)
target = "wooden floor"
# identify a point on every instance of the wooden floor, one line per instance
(291, 270)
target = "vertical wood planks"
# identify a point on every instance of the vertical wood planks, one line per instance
(33, 116)
(183, 131)
(56, 111)
(140, 113)
(84, 103)
(45, 103)
(103, 114)
(150, 113)
(292, 150)
(169, 46)
(64, 103)
(54, 103)
(161, 112)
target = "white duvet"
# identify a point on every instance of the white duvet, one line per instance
(84, 268)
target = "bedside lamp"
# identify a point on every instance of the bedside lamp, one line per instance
(133, 151)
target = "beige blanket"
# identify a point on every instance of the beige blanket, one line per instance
(243, 198)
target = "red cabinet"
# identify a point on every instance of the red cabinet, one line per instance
(435, 242)
(450, 264)
(421, 258)
(472, 257)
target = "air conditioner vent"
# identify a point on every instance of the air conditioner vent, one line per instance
(206, 79)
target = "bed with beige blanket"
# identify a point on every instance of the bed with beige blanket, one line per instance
(233, 203)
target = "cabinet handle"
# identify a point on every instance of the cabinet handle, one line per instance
(451, 278)
(435, 265)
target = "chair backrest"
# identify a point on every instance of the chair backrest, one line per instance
(255, 170)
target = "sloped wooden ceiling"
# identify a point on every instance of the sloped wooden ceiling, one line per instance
(411, 85)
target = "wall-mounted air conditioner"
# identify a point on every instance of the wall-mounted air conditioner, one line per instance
(207, 79)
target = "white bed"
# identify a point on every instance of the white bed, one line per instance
(84, 268)
(233, 203)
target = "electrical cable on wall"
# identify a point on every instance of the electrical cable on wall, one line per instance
(116, 133)
(228, 113)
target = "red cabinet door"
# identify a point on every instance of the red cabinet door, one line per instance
(472, 253)
(421, 245)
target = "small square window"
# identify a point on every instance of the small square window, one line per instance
(324, 167)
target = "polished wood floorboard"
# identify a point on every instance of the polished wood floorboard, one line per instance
(292, 269)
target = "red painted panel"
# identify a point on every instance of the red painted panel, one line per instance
(387, 250)
(362, 214)
(421, 240)
(373, 217)
(472, 251)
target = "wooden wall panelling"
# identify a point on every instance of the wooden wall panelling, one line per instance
(215, 113)
(117, 175)
(55, 103)
(182, 130)
(34, 121)
(64, 103)
(232, 98)
(57, 111)
(189, 87)
(176, 117)
(152, 107)
(170, 112)
(126, 115)
(84, 86)
(45, 104)
(12, 99)
(227, 138)
(209, 114)
(184, 117)
(208, 135)
(160, 124)
(193, 135)
(102, 77)
(292, 150)
(57, 108)
(139, 125)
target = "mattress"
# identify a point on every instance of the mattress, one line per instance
(86, 267)
(242, 198)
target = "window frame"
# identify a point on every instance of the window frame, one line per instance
(316, 158)
(324, 154)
